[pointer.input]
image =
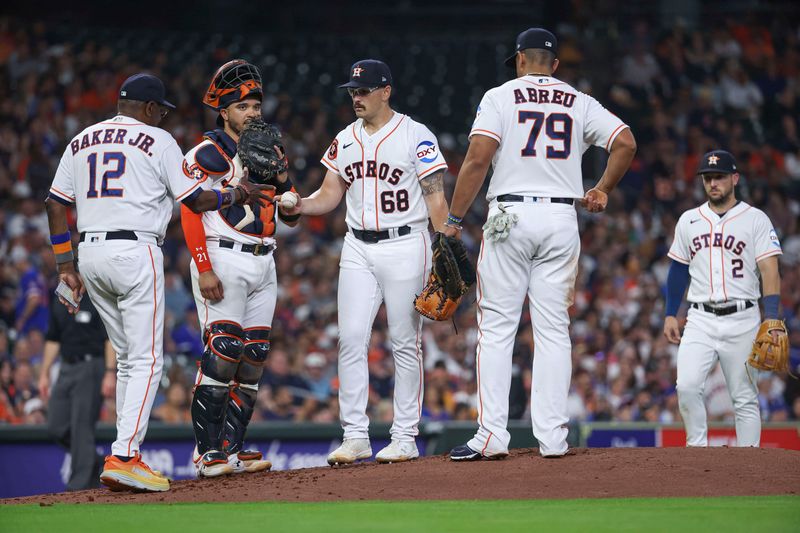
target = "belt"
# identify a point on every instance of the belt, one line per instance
(376, 236)
(125, 235)
(723, 311)
(255, 249)
(75, 359)
(534, 199)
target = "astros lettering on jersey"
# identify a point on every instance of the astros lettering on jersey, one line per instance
(723, 251)
(567, 120)
(381, 171)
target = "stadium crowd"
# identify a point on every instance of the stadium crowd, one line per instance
(683, 92)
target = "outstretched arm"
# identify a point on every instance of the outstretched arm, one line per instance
(323, 200)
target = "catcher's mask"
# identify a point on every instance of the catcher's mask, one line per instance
(233, 82)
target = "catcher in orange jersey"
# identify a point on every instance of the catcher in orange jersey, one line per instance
(724, 246)
(233, 273)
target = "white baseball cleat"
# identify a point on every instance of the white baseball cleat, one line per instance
(350, 451)
(248, 461)
(213, 463)
(398, 451)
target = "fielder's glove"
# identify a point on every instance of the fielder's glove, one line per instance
(452, 274)
(261, 151)
(767, 354)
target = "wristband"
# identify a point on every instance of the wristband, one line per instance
(219, 199)
(453, 220)
(62, 247)
(771, 303)
(228, 198)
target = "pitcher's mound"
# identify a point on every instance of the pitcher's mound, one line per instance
(583, 473)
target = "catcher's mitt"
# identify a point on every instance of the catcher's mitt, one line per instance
(452, 274)
(261, 151)
(768, 354)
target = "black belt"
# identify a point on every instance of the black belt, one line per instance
(722, 311)
(375, 236)
(255, 249)
(518, 198)
(126, 235)
(75, 359)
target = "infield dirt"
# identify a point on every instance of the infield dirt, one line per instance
(583, 473)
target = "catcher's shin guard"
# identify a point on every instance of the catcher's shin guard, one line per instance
(243, 395)
(208, 416)
(238, 413)
(224, 348)
(221, 358)
(256, 350)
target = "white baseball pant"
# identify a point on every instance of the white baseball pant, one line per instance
(125, 280)
(392, 271)
(729, 339)
(539, 259)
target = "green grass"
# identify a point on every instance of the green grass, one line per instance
(681, 515)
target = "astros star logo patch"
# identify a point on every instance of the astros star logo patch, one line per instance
(712, 160)
(357, 72)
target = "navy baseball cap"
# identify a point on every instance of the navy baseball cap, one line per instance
(533, 38)
(144, 88)
(368, 73)
(717, 162)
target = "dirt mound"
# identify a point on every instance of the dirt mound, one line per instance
(584, 473)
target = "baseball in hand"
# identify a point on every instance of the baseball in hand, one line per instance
(289, 200)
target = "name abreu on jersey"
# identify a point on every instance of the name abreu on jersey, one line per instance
(215, 160)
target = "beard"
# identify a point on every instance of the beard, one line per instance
(722, 200)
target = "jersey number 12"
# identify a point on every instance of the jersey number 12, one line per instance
(117, 159)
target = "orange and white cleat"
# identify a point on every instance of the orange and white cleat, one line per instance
(133, 474)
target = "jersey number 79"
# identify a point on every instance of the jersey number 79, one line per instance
(558, 126)
(114, 162)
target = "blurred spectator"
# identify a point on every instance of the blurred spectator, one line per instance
(684, 89)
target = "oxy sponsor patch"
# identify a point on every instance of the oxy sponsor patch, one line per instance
(427, 152)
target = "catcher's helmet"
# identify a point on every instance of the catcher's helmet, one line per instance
(234, 81)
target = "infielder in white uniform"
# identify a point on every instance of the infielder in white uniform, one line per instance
(390, 169)
(533, 130)
(233, 281)
(122, 175)
(722, 245)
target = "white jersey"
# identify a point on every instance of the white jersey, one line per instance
(543, 126)
(382, 172)
(723, 252)
(122, 174)
(238, 223)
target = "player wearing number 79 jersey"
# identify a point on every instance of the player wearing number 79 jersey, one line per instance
(534, 130)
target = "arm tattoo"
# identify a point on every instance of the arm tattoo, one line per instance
(433, 183)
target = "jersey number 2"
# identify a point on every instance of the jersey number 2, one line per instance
(109, 158)
(557, 126)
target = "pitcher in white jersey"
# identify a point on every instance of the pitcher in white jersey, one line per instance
(533, 130)
(122, 175)
(390, 170)
(723, 246)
